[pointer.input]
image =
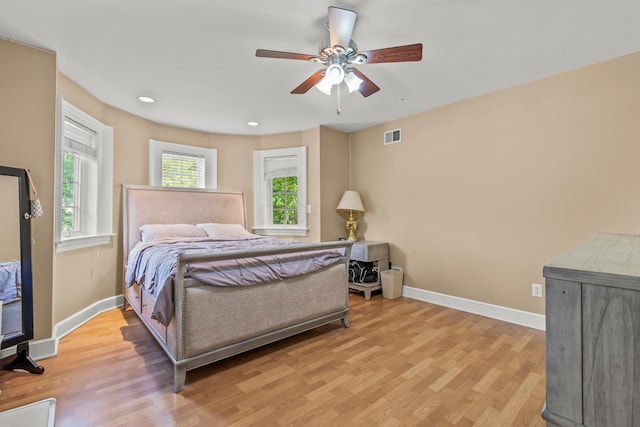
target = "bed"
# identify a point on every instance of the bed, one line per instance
(206, 322)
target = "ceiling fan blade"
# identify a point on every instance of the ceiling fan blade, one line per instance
(341, 22)
(309, 83)
(410, 52)
(367, 87)
(263, 53)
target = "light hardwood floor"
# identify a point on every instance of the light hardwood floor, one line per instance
(402, 363)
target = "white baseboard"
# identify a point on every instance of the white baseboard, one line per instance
(48, 347)
(524, 318)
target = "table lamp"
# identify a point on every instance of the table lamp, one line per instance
(350, 205)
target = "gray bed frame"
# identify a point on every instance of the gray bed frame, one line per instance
(211, 323)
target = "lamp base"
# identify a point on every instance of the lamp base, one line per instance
(351, 225)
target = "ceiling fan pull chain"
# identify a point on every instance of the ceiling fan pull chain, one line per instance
(338, 110)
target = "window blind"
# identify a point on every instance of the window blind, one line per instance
(79, 139)
(278, 167)
(182, 170)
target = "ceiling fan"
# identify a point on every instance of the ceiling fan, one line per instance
(339, 54)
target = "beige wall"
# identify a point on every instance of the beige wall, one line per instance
(479, 195)
(334, 180)
(27, 124)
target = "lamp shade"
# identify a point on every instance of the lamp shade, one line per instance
(325, 86)
(350, 201)
(352, 81)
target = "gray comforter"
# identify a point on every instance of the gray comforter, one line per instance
(153, 266)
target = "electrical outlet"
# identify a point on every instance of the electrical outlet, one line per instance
(536, 290)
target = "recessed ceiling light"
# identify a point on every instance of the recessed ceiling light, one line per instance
(146, 99)
(253, 124)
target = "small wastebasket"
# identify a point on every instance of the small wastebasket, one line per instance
(391, 284)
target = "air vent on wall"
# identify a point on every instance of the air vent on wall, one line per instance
(392, 136)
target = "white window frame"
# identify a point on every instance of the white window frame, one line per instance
(262, 200)
(96, 201)
(156, 148)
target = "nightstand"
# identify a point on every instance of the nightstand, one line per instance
(366, 251)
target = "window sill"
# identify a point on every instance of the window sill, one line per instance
(73, 243)
(273, 231)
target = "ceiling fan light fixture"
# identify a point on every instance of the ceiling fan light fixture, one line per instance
(334, 74)
(324, 86)
(359, 59)
(352, 81)
(352, 49)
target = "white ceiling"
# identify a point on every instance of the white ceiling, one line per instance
(197, 57)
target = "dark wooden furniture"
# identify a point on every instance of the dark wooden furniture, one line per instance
(593, 334)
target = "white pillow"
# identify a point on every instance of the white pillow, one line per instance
(225, 231)
(150, 232)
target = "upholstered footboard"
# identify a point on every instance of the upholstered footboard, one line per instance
(219, 322)
(240, 313)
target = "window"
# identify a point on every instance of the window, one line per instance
(71, 171)
(84, 184)
(177, 165)
(280, 191)
(284, 199)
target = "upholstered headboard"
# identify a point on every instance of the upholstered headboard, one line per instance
(143, 204)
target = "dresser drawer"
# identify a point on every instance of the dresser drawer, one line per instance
(369, 251)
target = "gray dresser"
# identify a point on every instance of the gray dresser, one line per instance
(593, 334)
